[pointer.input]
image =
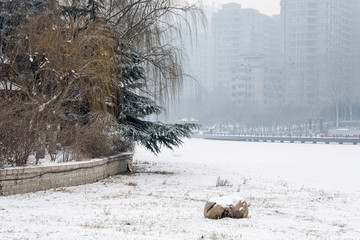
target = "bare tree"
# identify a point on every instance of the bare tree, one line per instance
(335, 83)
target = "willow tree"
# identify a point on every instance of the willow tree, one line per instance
(153, 28)
(145, 63)
(88, 74)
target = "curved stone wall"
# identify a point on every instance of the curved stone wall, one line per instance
(32, 179)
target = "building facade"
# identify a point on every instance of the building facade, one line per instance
(317, 40)
(246, 48)
(256, 83)
(356, 47)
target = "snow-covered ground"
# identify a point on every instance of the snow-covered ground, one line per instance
(295, 191)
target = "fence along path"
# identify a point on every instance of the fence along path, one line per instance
(292, 139)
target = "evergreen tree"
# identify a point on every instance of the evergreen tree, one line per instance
(135, 108)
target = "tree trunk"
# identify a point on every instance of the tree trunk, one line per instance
(40, 141)
(350, 111)
(337, 115)
(52, 140)
(40, 146)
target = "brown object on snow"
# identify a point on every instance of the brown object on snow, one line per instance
(213, 210)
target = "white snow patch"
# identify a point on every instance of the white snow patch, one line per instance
(296, 192)
(42, 106)
(9, 85)
(4, 59)
(44, 63)
(229, 200)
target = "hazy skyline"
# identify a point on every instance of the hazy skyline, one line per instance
(268, 7)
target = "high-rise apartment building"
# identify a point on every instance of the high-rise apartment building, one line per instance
(356, 47)
(317, 49)
(244, 41)
(255, 83)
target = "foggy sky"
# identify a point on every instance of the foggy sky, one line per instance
(268, 7)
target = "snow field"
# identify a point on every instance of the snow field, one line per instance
(295, 191)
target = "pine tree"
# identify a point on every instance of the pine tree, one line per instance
(152, 135)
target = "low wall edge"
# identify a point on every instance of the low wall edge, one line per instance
(31, 179)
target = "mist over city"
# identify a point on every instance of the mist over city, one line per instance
(299, 67)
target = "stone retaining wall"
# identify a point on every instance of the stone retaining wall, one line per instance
(31, 179)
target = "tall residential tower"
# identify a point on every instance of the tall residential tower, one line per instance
(246, 51)
(317, 50)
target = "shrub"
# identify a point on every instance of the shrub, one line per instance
(16, 142)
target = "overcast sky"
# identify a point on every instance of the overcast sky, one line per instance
(268, 7)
